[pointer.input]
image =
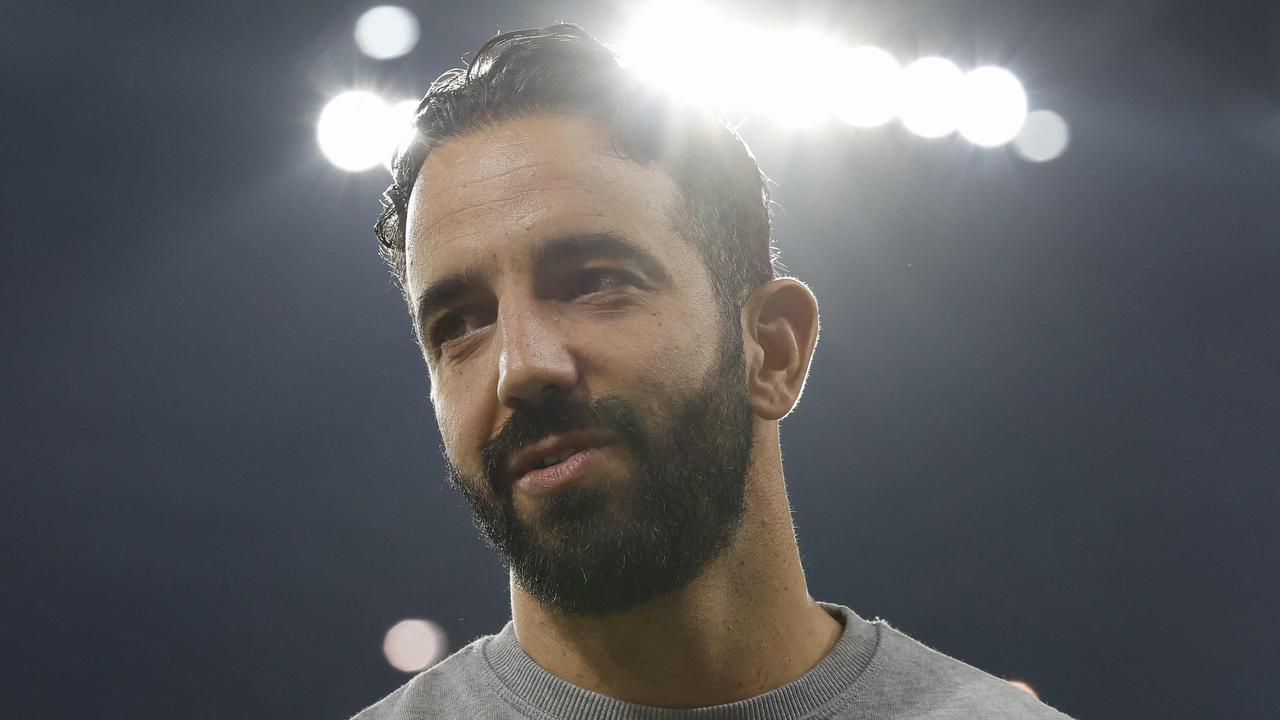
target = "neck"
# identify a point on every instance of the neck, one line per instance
(745, 626)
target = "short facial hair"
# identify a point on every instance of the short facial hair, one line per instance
(681, 509)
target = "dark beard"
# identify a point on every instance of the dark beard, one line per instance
(680, 512)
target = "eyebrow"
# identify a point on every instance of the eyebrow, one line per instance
(602, 245)
(448, 289)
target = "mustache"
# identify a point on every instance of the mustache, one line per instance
(559, 412)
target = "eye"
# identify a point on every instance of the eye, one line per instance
(596, 280)
(455, 325)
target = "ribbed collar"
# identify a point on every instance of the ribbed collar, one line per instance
(834, 674)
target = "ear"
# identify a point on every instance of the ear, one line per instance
(780, 330)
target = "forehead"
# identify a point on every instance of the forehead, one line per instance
(484, 195)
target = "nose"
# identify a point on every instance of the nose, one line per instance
(535, 358)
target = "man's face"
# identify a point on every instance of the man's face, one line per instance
(564, 307)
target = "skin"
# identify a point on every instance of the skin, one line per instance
(746, 624)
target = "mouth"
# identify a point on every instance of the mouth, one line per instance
(552, 451)
(569, 471)
(550, 460)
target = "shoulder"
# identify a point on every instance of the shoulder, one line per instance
(454, 685)
(920, 682)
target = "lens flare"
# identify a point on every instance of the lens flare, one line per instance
(413, 645)
(798, 77)
(929, 102)
(358, 130)
(867, 87)
(1044, 136)
(386, 32)
(993, 106)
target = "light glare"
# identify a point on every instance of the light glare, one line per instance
(357, 130)
(802, 71)
(675, 46)
(1044, 136)
(1023, 686)
(867, 78)
(930, 97)
(401, 119)
(993, 106)
(386, 31)
(351, 130)
(799, 78)
(802, 77)
(413, 645)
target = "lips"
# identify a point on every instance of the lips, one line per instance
(550, 460)
(553, 449)
(571, 470)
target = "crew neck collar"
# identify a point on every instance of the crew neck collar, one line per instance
(531, 684)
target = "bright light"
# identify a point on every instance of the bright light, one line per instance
(386, 32)
(798, 77)
(1044, 136)
(686, 49)
(929, 103)
(993, 106)
(357, 130)
(413, 645)
(401, 120)
(1025, 688)
(660, 40)
(867, 86)
(801, 76)
(350, 130)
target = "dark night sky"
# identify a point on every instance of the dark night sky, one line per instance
(1040, 432)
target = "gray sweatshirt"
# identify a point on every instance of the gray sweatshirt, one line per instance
(874, 671)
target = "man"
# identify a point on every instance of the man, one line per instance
(589, 272)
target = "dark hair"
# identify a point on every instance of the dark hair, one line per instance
(561, 68)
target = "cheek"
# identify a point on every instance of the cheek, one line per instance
(465, 405)
(657, 362)
(452, 419)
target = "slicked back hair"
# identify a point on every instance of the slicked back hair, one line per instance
(725, 212)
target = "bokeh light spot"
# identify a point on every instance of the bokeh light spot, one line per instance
(1044, 136)
(413, 645)
(386, 31)
(351, 130)
(867, 86)
(357, 130)
(929, 103)
(993, 106)
(800, 76)
(401, 120)
(684, 48)
(803, 77)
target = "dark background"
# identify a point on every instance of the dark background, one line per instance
(1040, 432)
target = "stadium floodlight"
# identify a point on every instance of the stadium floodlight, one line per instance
(400, 120)
(798, 77)
(867, 89)
(929, 97)
(358, 130)
(386, 32)
(1044, 136)
(815, 80)
(801, 77)
(993, 106)
(683, 48)
(350, 130)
